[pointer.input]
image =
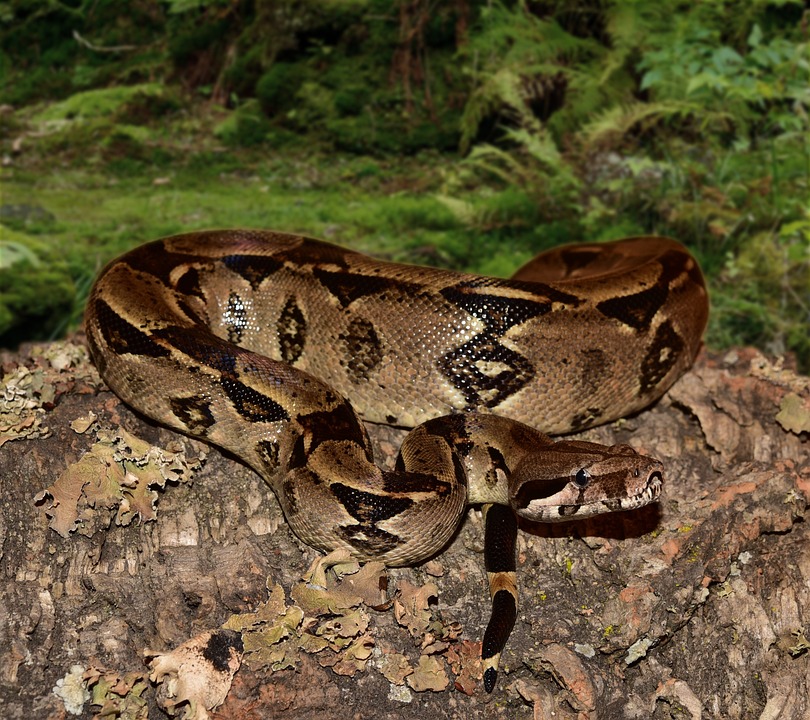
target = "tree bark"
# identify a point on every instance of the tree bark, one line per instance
(695, 607)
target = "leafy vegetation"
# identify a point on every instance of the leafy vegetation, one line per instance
(687, 120)
(470, 134)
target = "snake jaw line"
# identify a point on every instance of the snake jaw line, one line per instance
(650, 493)
(575, 479)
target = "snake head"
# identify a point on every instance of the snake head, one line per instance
(574, 479)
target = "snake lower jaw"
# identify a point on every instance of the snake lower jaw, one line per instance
(650, 493)
(564, 512)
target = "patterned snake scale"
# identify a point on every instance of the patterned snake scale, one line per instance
(253, 341)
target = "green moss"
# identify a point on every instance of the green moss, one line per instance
(189, 40)
(351, 99)
(110, 125)
(245, 127)
(98, 103)
(315, 105)
(244, 73)
(277, 89)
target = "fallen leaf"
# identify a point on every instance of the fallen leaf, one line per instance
(465, 662)
(118, 696)
(412, 606)
(394, 667)
(428, 675)
(196, 677)
(794, 413)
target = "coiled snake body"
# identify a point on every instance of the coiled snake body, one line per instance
(254, 341)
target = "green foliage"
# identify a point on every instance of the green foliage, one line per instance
(638, 120)
(577, 120)
(339, 86)
(190, 41)
(98, 103)
(245, 127)
(57, 48)
(277, 89)
(771, 281)
(107, 124)
(37, 291)
(353, 72)
(181, 6)
(756, 89)
(525, 61)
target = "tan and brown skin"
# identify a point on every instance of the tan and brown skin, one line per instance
(274, 347)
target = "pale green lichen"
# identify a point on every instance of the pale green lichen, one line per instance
(794, 413)
(329, 619)
(118, 697)
(27, 390)
(585, 649)
(637, 650)
(116, 480)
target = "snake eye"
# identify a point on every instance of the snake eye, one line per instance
(582, 478)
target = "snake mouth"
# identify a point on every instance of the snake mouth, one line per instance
(646, 494)
(650, 493)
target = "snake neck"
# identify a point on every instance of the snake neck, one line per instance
(483, 450)
(505, 462)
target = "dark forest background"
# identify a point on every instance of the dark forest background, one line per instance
(466, 134)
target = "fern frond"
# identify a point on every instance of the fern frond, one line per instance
(465, 212)
(632, 25)
(539, 145)
(517, 47)
(620, 119)
(497, 90)
(498, 163)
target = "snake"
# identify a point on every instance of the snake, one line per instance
(277, 347)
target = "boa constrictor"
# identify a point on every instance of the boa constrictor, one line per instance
(253, 341)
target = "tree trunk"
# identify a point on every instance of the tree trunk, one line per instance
(695, 607)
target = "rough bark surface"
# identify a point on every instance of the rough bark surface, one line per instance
(696, 607)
